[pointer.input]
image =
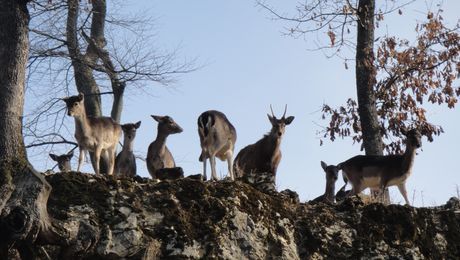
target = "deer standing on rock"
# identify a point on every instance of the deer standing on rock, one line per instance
(217, 139)
(99, 135)
(63, 161)
(158, 154)
(382, 171)
(263, 156)
(125, 162)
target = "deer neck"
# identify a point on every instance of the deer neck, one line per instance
(160, 141)
(82, 124)
(330, 190)
(272, 143)
(128, 145)
(409, 156)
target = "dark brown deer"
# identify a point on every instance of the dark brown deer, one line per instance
(125, 163)
(264, 156)
(99, 135)
(382, 171)
(63, 161)
(332, 173)
(217, 139)
(158, 154)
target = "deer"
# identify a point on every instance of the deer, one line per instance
(63, 161)
(382, 171)
(332, 173)
(263, 156)
(158, 154)
(125, 162)
(217, 139)
(98, 135)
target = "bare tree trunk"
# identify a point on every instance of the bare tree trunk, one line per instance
(84, 78)
(365, 81)
(23, 193)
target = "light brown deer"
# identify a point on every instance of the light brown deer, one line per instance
(125, 162)
(217, 139)
(63, 161)
(263, 156)
(99, 135)
(382, 171)
(158, 154)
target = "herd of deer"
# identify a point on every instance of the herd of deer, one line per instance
(100, 136)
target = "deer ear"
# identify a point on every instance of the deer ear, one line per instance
(157, 118)
(323, 165)
(70, 155)
(81, 96)
(137, 125)
(288, 120)
(53, 156)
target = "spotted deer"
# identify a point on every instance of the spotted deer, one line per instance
(99, 135)
(332, 173)
(125, 162)
(263, 156)
(158, 154)
(63, 161)
(382, 171)
(217, 139)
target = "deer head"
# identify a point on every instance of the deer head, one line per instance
(414, 138)
(75, 106)
(63, 161)
(279, 125)
(129, 130)
(166, 125)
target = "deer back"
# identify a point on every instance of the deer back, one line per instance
(217, 134)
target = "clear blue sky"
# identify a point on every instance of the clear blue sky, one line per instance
(250, 65)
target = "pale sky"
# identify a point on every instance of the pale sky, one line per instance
(247, 65)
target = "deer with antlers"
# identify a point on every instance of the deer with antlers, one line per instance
(99, 135)
(263, 156)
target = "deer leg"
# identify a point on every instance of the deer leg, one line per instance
(204, 168)
(230, 165)
(81, 158)
(402, 189)
(212, 160)
(110, 153)
(97, 158)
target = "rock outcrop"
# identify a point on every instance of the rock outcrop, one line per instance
(191, 219)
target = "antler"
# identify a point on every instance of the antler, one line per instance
(285, 109)
(273, 114)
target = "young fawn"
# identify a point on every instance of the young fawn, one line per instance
(125, 162)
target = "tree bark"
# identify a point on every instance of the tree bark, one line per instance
(84, 78)
(366, 79)
(23, 192)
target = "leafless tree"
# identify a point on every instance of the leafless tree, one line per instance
(79, 46)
